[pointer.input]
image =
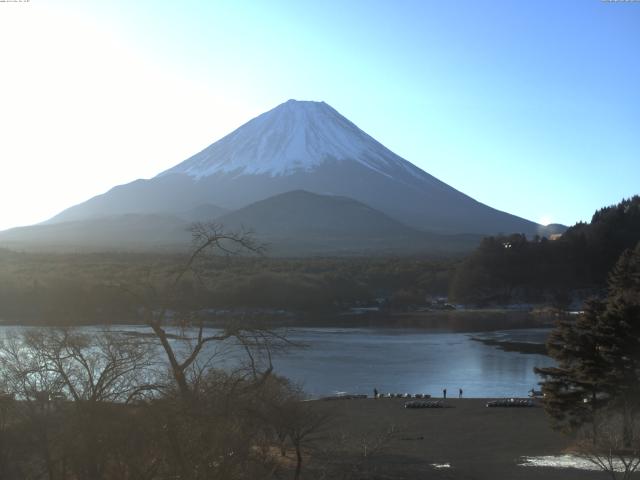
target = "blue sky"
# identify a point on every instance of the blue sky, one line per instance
(530, 107)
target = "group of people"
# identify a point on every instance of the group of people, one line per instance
(444, 393)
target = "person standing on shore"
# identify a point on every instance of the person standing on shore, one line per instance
(444, 393)
(375, 393)
(460, 393)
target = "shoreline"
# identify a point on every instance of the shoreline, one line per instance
(468, 320)
(526, 348)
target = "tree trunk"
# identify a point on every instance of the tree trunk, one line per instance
(298, 461)
(627, 424)
(594, 425)
(176, 370)
(175, 445)
(283, 446)
(46, 452)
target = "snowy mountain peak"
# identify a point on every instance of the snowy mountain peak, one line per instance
(295, 136)
(301, 146)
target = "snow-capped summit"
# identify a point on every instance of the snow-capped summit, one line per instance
(294, 136)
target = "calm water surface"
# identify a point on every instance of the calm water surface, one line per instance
(414, 361)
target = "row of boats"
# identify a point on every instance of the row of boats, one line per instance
(402, 395)
(504, 402)
(511, 402)
(427, 404)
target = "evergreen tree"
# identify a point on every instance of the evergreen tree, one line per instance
(619, 338)
(598, 355)
(574, 390)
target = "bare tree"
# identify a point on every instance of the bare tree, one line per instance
(291, 418)
(106, 367)
(610, 446)
(304, 424)
(71, 387)
(26, 377)
(185, 361)
(215, 372)
(352, 456)
(7, 412)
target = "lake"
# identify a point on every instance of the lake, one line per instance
(357, 360)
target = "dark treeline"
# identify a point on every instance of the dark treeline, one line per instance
(507, 269)
(85, 288)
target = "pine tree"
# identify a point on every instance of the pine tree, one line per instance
(619, 338)
(598, 355)
(574, 390)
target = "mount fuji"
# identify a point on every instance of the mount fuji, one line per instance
(302, 145)
(297, 146)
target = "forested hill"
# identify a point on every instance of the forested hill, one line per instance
(507, 269)
(96, 288)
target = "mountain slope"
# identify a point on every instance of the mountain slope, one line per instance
(292, 224)
(128, 231)
(301, 222)
(304, 146)
(304, 213)
(204, 212)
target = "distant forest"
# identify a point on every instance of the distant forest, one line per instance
(92, 288)
(507, 269)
